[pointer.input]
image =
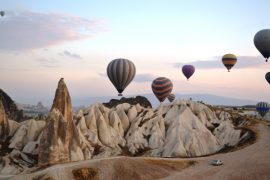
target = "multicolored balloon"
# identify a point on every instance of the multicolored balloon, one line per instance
(162, 88)
(121, 72)
(188, 70)
(262, 108)
(267, 77)
(262, 42)
(229, 60)
(171, 97)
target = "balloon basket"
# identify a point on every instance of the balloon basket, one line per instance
(120, 94)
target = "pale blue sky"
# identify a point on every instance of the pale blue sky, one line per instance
(43, 41)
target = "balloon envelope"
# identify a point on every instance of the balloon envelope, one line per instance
(188, 70)
(171, 97)
(2, 13)
(229, 61)
(262, 108)
(162, 88)
(121, 72)
(267, 77)
(262, 42)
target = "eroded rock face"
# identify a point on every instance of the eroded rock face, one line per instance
(60, 140)
(10, 107)
(13, 126)
(27, 133)
(4, 125)
(54, 143)
(147, 131)
(187, 135)
(227, 134)
(105, 131)
(62, 101)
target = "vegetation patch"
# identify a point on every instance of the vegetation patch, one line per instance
(140, 152)
(85, 173)
(192, 163)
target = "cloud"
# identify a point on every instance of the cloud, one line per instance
(102, 74)
(242, 62)
(48, 63)
(144, 77)
(29, 30)
(71, 55)
(138, 77)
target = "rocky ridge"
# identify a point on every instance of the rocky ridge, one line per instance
(142, 101)
(10, 107)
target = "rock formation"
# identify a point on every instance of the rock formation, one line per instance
(4, 126)
(182, 128)
(27, 132)
(60, 141)
(187, 132)
(179, 129)
(16, 156)
(142, 101)
(10, 107)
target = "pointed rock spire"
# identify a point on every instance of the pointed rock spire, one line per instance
(62, 100)
(60, 134)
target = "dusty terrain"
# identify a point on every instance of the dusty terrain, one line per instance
(111, 168)
(251, 162)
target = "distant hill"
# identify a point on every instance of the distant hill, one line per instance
(33, 110)
(217, 100)
(206, 98)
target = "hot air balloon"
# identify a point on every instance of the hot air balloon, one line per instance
(262, 108)
(171, 97)
(229, 61)
(162, 88)
(121, 72)
(262, 42)
(2, 13)
(267, 77)
(188, 70)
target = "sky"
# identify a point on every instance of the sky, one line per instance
(43, 41)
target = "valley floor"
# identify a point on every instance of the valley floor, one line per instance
(251, 162)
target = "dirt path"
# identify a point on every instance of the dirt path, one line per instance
(121, 168)
(252, 162)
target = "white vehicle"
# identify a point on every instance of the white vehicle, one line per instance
(217, 162)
